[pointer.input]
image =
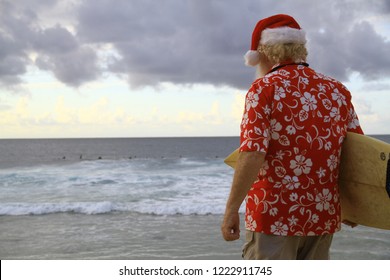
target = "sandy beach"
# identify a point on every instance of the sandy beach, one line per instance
(135, 237)
(114, 236)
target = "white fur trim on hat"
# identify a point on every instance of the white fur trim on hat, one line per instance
(272, 36)
(252, 58)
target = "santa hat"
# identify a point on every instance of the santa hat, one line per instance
(274, 30)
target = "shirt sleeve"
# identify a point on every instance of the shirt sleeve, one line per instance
(255, 125)
(353, 121)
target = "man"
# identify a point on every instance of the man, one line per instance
(294, 123)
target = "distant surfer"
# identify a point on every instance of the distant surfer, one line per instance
(293, 126)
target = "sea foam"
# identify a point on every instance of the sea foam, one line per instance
(149, 186)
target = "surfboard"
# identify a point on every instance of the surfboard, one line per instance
(364, 180)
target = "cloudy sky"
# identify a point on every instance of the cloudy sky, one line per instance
(142, 68)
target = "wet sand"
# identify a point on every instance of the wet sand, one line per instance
(143, 237)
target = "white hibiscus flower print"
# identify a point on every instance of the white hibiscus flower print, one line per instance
(309, 102)
(245, 119)
(335, 114)
(339, 97)
(354, 122)
(332, 162)
(279, 228)
(250, 223)
(279, 93)
(252, 100)
(323, 199)
(275, 128)
(291, 182)
(301, 165)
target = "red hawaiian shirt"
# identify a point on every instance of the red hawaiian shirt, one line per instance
(299, 118)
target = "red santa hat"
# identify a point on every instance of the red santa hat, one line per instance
(274, 30)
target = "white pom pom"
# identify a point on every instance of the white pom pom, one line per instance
(252, 58)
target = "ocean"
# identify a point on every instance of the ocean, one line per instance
(130, 198)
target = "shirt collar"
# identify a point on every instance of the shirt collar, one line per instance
(286, 63)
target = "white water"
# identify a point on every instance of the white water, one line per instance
(148, 186)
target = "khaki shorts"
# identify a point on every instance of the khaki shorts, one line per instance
(260, 246)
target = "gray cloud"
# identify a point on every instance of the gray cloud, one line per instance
(342, 41)
(54, 40)
(371, 53)
(72, 68)
(187, 41)
(13, 59)
(177, 41)
(61, 54)
(56, 49)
